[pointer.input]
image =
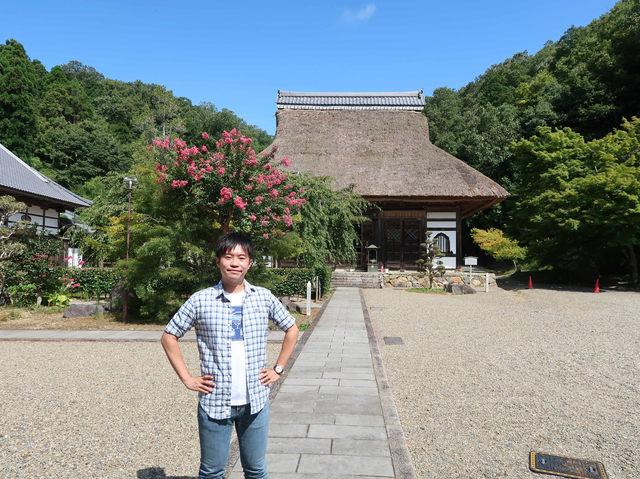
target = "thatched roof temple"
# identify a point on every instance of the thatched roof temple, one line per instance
(380, 142)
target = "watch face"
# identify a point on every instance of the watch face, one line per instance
(278, 369)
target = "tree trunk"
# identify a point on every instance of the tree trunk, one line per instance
(631, 257)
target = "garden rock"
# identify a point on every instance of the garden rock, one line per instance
(459, 288)
(82, 310)
(116, 298)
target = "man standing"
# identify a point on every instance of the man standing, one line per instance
(231, 324)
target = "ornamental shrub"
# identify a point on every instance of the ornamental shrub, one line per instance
(294, 280)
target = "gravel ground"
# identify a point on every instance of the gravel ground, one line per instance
(483, 379)
(97, 409)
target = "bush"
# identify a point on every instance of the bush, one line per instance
(294, 280)
(95, 280)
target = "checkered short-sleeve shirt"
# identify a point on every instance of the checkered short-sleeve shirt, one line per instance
(211, 315)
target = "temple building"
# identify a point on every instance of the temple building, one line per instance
(380, 142)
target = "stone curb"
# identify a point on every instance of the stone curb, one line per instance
(402, 464)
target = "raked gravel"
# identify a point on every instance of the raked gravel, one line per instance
(483, 379)
(97, 410)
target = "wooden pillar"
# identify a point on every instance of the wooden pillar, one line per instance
(458, 238)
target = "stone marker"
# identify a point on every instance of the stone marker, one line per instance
(459, 288)
(82, 310)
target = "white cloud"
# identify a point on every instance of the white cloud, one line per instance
(361, 15)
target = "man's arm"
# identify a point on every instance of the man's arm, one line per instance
(202, 384)
(268, 376)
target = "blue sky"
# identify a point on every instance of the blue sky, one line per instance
(238, 55)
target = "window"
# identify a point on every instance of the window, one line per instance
(442, 240)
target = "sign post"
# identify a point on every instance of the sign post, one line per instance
(470, 261)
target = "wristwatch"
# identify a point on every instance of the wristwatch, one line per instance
(278, 369)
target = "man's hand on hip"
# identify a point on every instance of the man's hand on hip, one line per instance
(203, 384)
(268, 376)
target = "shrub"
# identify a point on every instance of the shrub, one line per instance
(294, 280)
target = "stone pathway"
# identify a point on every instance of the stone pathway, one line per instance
(327, 419)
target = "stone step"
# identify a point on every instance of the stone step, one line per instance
(356, 280)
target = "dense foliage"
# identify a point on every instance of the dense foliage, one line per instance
(588, 82)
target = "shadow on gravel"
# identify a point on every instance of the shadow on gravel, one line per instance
(510, 284)
(158, 473)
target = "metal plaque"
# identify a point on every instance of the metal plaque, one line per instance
(566, 466)
(393, 341)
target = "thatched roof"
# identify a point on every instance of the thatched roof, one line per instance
(386, 153)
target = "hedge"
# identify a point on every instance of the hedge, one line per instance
(294, 280)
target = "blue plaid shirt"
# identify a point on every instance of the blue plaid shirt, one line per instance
(209, 311)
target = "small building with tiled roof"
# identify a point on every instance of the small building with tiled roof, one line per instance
(380, 142)
(45, 198)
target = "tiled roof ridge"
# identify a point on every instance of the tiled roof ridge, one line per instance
(417, 93)
(410, 100)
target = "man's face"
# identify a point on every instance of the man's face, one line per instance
(233, 265)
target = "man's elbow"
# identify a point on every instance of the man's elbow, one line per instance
(167, 339)
(293, 331)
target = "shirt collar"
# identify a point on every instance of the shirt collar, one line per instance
(219, 290)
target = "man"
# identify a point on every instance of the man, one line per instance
(231, 324)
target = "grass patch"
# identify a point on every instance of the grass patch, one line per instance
(427, 290)
(303, 326)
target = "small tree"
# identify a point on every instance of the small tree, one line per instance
(494, 243)
(430, 263)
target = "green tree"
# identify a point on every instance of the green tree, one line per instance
(496, 244)
(19, 91)
(64, 98)
(327, 221)
(579, 201)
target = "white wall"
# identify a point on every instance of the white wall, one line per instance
(43, 218)
(436, 222)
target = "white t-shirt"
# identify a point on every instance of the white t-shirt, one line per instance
(239, 391)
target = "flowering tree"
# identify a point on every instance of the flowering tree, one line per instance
(228, 183)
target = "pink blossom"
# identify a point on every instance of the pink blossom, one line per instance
(266, 235)
(203, 148)
(286, 210)
(225, 194)
(205, 135)
(253, 217)
(239, 203)
(81, 262)
(273, 194)
(264, 223)
(228, 141)
(248, 187)
(258, 200)
(221, 171)
(286, 161)
(75, 285)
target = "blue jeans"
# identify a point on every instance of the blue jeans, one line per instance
(215, 436)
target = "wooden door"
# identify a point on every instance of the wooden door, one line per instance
(402, 243)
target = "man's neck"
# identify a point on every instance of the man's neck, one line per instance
(233, 288)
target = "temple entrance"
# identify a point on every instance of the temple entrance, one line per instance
(402, 243)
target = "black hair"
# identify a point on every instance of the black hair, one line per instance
(229, 241)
